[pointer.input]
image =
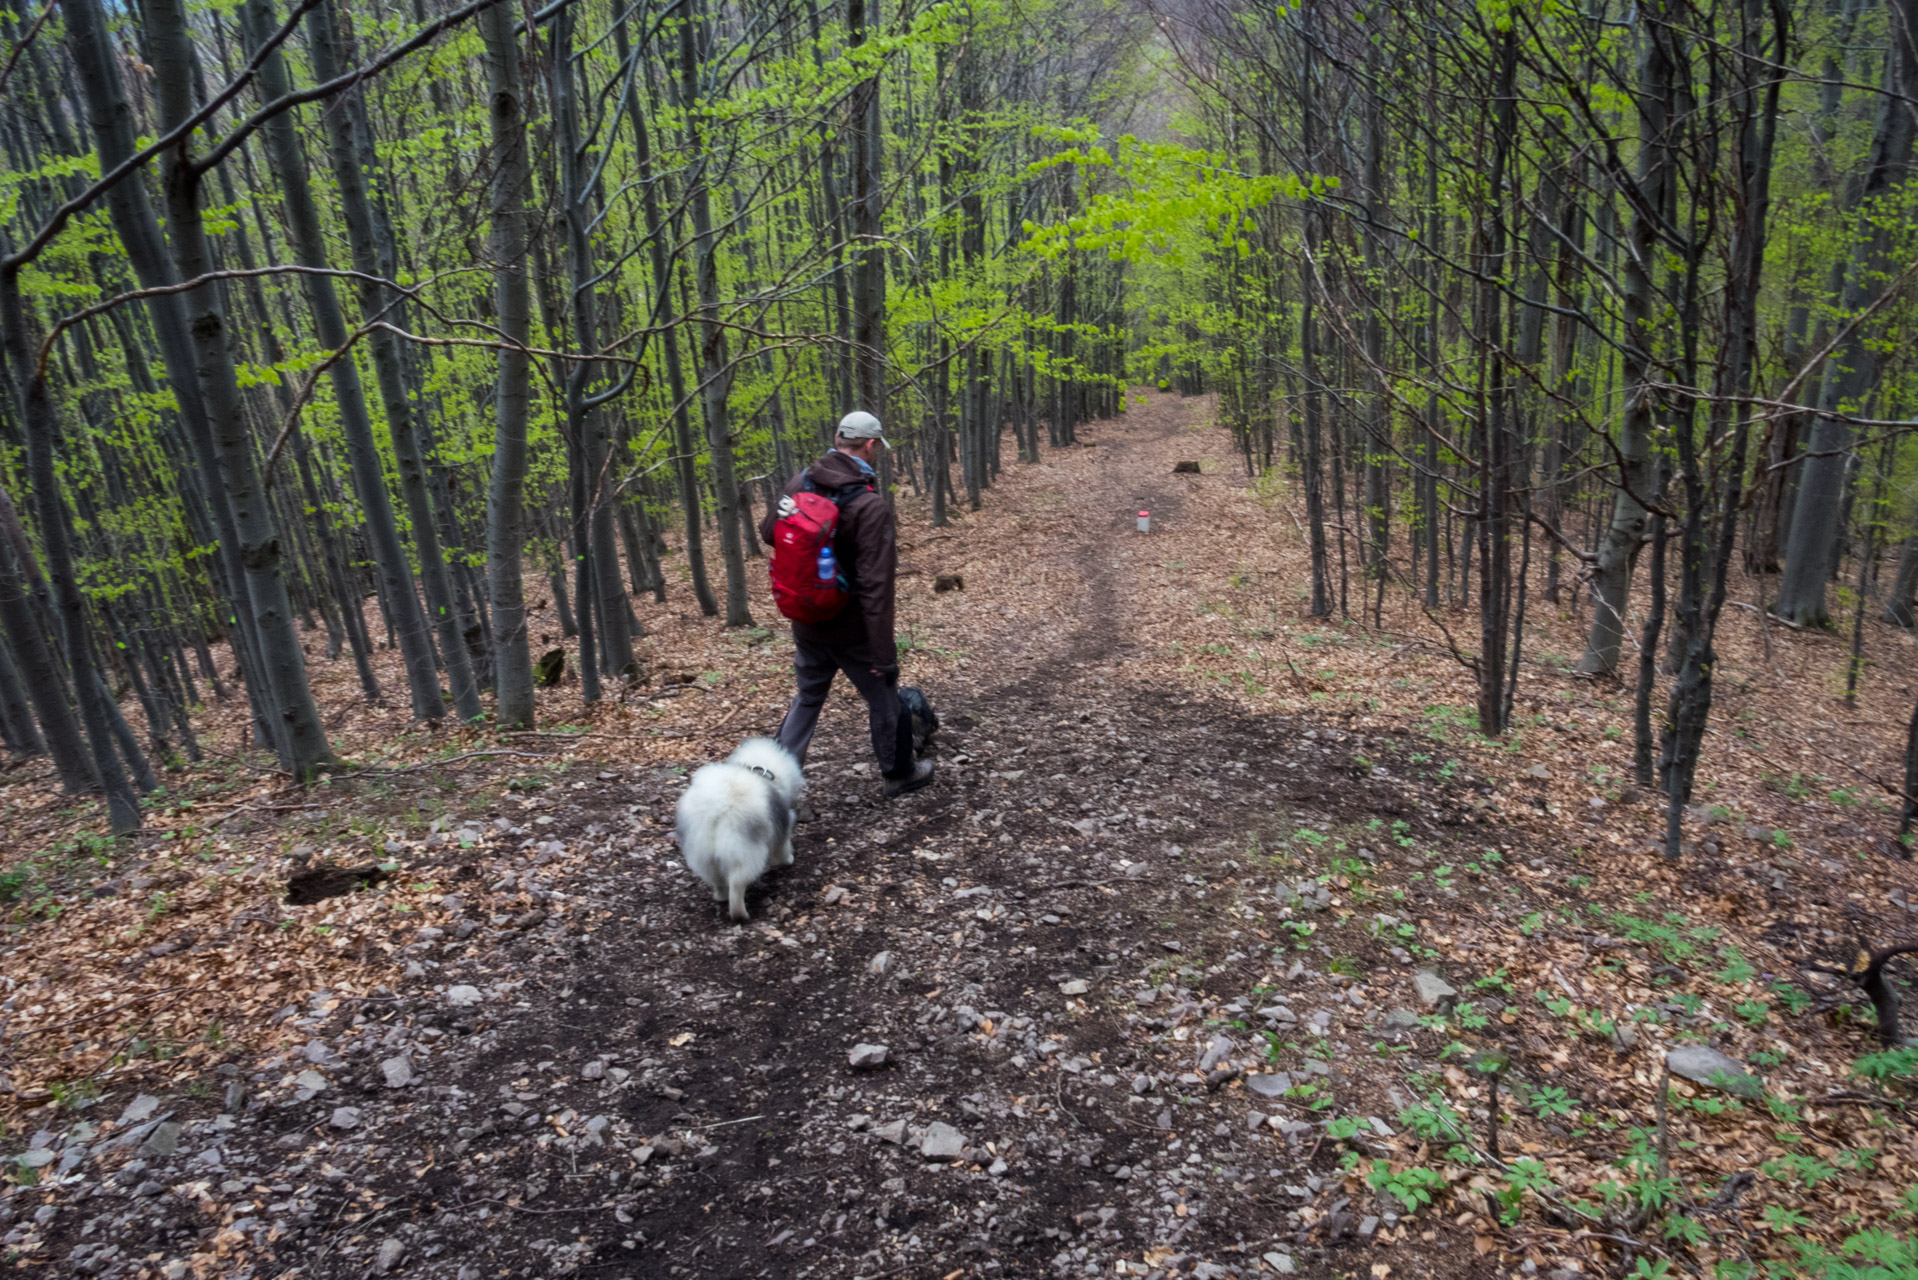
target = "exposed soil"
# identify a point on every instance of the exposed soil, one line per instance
(1127, 901)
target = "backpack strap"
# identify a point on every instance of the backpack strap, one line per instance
(840, 496)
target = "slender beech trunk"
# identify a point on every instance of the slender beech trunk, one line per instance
(716, 374)
(1706, 565)
(505, 501)
(1498, 440)
(869, 261)
(1612, 576)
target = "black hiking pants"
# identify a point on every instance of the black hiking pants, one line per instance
(814, 664)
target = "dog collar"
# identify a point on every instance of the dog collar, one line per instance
(767, 774)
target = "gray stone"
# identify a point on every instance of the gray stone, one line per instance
(35, 1158)
(1142, 1084)
(1219, 1049)
(398, 1072)
(1073, 987)
(1369, 1224)
(164, 1140)
(864, 1057)
(235, 1099)
(1279, 1262)
(147, 1190)
(1401, 1020)
(880, 965)
(1707, 1066)
(141, 1108)
(392, 1250)
(942, 1142)
(1272, 1084)
(345, 1118)
(1434, 991)
(1278, 1013)
(894, 1133)
(309, 1083)
(462, 997)
(320, 1054)
(594, 1070)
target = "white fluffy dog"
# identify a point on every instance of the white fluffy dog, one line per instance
(736, 819)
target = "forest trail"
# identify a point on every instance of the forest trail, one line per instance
(1154, 926)
(629, 1083)
(999, 934)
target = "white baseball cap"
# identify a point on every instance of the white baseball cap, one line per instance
(860, 425)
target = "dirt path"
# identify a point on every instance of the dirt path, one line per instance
(1071, 948)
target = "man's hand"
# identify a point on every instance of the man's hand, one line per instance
(889, 674)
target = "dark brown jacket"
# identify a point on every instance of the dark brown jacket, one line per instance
(867, 548)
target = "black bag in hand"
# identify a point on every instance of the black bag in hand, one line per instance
(925, 721)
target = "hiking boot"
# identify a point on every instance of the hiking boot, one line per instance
(921, 777)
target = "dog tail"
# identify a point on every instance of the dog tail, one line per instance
(736, 897)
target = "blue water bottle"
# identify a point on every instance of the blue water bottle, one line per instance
(828, 567)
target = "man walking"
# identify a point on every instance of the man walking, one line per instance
(858, 639)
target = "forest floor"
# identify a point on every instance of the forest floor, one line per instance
(1203, 956)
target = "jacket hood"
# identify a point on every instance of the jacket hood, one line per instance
(837, 469)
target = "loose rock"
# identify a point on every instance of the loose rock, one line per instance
(1433, 990)
(942, 1142)
(1707, 1066)
(391, 1252)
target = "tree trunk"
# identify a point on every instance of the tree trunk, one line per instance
(716, 372)
(1612, 575)
(869, 262)
(505, 501)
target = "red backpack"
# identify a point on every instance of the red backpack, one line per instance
(809, 584)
